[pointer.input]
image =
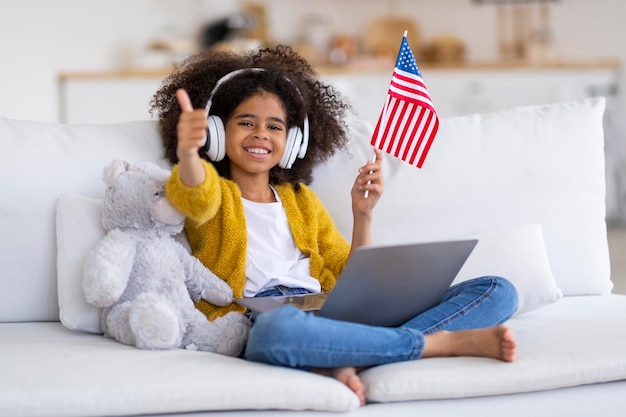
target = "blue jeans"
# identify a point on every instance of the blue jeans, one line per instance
(290, 337)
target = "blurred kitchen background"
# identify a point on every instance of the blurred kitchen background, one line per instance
(47, 41)
(81, 61)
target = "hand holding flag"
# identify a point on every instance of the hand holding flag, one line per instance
(408, 122)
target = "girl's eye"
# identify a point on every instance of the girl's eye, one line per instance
(245, 123)
(275, 127)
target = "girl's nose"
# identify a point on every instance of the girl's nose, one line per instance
(260, 133)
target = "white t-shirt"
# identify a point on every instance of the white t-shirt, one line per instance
(273, 258)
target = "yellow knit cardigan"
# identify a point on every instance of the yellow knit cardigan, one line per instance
(216, 228)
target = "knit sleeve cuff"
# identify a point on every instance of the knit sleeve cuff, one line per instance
(198, 203)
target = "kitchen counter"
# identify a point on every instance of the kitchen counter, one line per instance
(457, 89)
(365, 65)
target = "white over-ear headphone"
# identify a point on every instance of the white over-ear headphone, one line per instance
(297, 139)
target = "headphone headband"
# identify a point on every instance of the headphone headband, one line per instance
(226, 78)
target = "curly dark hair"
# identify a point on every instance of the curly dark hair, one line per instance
(304, 95)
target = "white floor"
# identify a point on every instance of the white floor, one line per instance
(617, 250)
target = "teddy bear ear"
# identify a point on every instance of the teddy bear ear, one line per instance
(113, 170)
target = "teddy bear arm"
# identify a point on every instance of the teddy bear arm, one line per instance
(202, 283)
(107, 268)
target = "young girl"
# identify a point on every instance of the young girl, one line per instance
(245, 133)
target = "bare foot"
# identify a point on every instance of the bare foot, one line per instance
(348, 376)
(496, 342)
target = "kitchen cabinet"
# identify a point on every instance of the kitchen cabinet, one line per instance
(108, 97)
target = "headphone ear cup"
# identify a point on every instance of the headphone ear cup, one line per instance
(216, 139)
(305, 139)
(292, 148)
(284, 161)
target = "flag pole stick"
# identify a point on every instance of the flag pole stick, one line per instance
(383, 124)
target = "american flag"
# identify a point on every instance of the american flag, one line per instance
(408, 122)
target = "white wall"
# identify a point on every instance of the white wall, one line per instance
(40, 38)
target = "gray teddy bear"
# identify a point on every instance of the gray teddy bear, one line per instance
(144, 280)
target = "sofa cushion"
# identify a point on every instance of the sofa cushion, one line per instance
(42, 161)
(538, 164)
(472, 182)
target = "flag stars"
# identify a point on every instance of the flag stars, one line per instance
(406, 60)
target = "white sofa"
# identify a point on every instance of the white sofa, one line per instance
(529, 182)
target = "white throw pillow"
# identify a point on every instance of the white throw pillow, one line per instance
(517, 253)
(537, 164)
(79, 228)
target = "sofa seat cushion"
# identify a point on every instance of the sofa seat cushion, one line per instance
(48, 370)
(575, 341)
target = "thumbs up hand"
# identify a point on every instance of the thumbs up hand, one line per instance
(191, 127)
(191, 133)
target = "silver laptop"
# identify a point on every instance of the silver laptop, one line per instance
(382, 285)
